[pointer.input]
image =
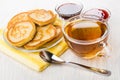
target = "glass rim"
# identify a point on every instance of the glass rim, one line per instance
(85, 42)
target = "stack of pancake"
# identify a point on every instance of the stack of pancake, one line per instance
(34, 29)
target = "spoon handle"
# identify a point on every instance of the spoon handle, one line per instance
(93, 69)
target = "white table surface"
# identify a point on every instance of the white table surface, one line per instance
(13, 70)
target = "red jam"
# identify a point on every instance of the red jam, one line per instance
(104, 13)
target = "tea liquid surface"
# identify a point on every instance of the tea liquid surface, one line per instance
(85, 30)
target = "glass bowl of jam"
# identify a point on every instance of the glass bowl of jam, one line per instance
(101, 14)
(69, 9)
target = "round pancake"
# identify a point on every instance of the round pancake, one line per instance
(42, 17)
(57, 37)
(21, 33)
(23, 16)
(44, 34)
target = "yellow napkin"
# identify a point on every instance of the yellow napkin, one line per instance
(32, 60)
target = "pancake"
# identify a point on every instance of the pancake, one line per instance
(59, 32)
(44, 34)
(42, 17)
(23, 16)
(57, 37)
(21, 33)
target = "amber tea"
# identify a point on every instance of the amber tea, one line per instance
(86, 37)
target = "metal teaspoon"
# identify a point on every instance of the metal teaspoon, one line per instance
(51, 58)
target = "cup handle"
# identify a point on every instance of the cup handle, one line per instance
(105, 50)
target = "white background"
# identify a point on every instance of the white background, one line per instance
(13, 70)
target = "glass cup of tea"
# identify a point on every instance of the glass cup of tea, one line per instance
(86, 37)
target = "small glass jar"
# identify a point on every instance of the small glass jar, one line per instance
(69, 9)
(101, 14)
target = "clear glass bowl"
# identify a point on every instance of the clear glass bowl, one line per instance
(67, 9)
(101, 14)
